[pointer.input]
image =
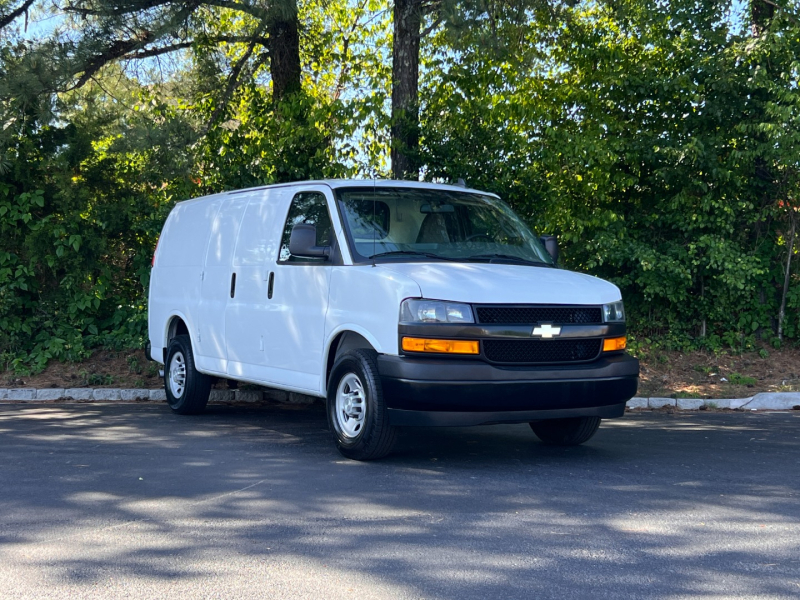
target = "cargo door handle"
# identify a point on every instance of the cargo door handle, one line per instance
(271, 284)
(233, 285)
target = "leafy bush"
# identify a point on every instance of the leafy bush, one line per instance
(660, 144)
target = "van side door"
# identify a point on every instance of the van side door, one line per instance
(246, 317)
(211, 347)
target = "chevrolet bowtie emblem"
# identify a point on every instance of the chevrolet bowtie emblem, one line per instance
(546, 330)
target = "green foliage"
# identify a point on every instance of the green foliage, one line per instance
(661, 145)
(77, 230)
(88, 177)
(660, 141)
(739, 379)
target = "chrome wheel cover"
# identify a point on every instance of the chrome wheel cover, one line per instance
(176, 376)
(351, 405)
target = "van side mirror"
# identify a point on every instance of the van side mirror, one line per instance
(551, 245)
(303, 242)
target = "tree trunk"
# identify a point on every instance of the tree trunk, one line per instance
(405, 87)
(284, 48)
(761, 14)
(786, 279)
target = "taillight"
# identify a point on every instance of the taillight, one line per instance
(153, 264)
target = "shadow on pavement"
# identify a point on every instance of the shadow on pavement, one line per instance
(655, 505)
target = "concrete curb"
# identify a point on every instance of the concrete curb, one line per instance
(763, 401)
(141, 395)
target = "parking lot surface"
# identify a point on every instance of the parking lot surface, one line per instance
(130, 501)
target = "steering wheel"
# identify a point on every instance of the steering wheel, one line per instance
(485, 236)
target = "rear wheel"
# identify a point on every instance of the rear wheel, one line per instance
(566, 432)
(187, 388)
(356, 409)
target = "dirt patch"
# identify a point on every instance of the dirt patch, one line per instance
(708, 375)
(104, 369)
(663, 373)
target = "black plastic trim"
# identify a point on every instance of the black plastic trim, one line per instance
(478, 331)
(451, 385)
(421, 418)
(502, 305)
(504, 332)
(435, 368)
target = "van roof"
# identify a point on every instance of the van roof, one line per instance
(339, 183)
(342, 183)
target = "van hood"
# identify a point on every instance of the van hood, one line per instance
(483, 283)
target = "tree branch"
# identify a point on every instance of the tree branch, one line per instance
(118, 11)
(785, 12)
(119, 48)
(250, 9)
(116, 50)
(233, 83)
(132, 7)
(6, 19)
(431, 27)
(230, 39)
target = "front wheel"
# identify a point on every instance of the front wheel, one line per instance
(356, 409)
(566, 432)
(187, 388)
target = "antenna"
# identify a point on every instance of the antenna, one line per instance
(374, 229)
(461, 182)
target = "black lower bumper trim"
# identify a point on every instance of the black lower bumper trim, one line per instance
(472, 386)
(423, 418)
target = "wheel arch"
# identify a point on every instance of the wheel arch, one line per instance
(176, 325)
(343, 341)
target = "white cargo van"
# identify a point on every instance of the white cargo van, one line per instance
(400, 303)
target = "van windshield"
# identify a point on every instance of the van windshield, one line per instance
(417, 224)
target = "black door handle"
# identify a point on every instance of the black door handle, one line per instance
(271, 284)
(233, 284)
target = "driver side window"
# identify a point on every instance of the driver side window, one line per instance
(310, 208)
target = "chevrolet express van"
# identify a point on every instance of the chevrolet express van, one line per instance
(400, 303)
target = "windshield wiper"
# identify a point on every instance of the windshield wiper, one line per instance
(412, 253)
(519, 259)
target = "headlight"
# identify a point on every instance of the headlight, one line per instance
(435, 311)
(614, 312)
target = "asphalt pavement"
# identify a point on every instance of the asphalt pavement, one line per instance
(131, 501)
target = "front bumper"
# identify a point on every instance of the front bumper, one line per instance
(441, 392)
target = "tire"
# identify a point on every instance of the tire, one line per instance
(187, 388)
(566, 432)
(356, 409)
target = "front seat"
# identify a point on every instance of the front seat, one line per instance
(433, 230)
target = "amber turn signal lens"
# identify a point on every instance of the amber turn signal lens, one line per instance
(442, 346)
(612, 344)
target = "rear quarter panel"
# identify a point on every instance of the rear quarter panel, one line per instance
(175, 279)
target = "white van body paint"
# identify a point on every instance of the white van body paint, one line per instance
(482, 283)
(284, 342)
(366, 299)
(176, 279)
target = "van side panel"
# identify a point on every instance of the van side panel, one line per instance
(185, 235)
(176, 277)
